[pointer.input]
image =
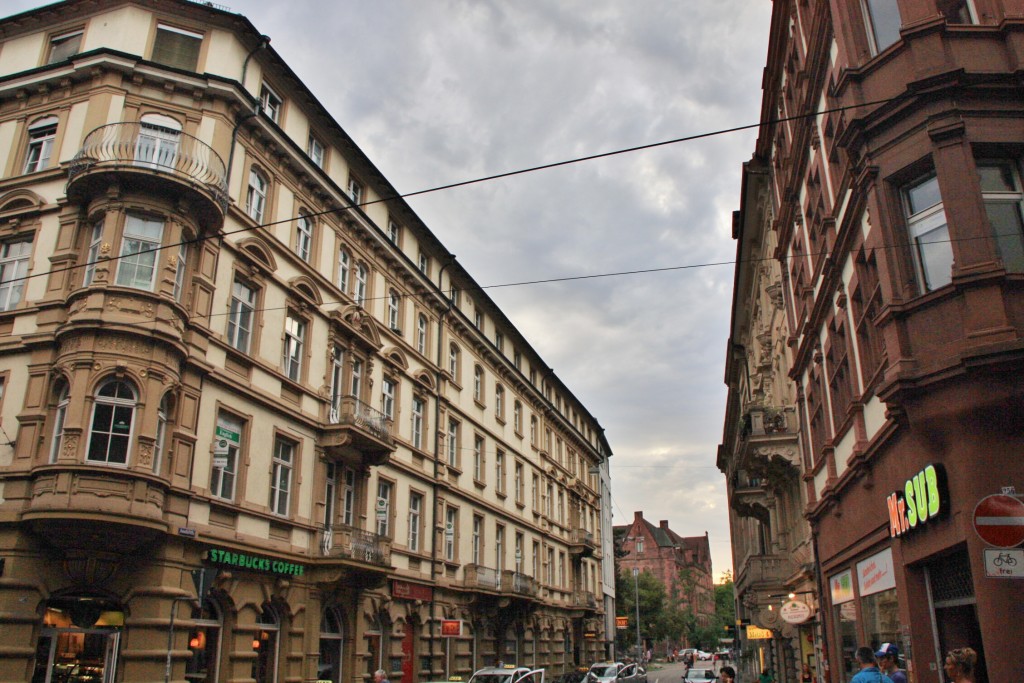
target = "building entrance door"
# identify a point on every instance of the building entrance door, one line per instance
(408, 653)
(76, 655)
(954, 609)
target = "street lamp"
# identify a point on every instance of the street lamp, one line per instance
(636, 589)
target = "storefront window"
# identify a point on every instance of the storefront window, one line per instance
(79, 641)
(844, 610)
(881, 618)
(204, 644)
(329, 668)
(264, 667)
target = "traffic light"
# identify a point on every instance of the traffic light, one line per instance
(730, 631)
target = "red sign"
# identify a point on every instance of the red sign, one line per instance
(621, 622)
(411, 591)
(999, 520)
(451, 628)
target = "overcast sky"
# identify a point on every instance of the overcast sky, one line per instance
(440, 91)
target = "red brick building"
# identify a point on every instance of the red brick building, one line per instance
(681, 563)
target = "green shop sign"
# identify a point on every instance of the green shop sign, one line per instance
(253, 563)
(923, 498)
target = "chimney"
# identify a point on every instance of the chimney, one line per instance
(663, 524)
(638, 516)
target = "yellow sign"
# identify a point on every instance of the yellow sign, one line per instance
(755, 633)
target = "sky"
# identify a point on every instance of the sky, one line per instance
(442, 91)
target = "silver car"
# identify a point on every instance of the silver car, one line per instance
(632, 673)
(604, 672)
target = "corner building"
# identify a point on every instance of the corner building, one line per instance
(260, 424)
(890, 153)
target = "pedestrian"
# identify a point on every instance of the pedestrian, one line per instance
(727, 674)
(807, 677)
(959, 665)
(869, 671)
(686, 669)
(380, 677)
(888, 661)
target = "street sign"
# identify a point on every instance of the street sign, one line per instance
(451, 628)
(999, 520)
(382, 509)
(449, 530)
(621, 622)
(1004, 564)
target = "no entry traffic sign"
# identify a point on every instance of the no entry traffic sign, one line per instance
(999, 520)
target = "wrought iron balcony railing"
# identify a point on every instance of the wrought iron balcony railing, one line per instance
(584, 599)
(146, 146)
(352, 411)
(519, 584)
(347, 542)
(478, 576)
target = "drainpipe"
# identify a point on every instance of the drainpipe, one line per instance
(264, 42)
(170, 633)
(437, 455)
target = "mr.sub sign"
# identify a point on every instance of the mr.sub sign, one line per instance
(924, 497)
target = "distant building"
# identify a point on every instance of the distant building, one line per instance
(886, 190)
(259, 424)
(681, 563)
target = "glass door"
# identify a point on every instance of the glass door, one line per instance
(72, 655)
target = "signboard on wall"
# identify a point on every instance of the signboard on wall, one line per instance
(451, 628)
(411, 591)
(876, 574)
(757, 633)
(795, 612)
(621, 622)
(841, 586)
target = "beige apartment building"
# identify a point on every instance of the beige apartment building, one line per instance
(258, 423)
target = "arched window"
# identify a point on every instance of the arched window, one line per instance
(499, 401)
(63, 395)
(304, 236)
(453, 361)
(113, 416)
(344, 267)
(478, 384)
(157, 144)
(264, 667)
(331, 645)
(256, 195)
(204, 644)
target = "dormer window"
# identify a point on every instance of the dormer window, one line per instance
(270, 103)
(177, 47)
(64, 46)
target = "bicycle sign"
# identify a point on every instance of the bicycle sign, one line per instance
(1004, 564)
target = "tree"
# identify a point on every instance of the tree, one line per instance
(659, 618)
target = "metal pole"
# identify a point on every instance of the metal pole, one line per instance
(636, 589)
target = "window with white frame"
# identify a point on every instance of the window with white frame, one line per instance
(418, 407)
(316, 150)
(304, 237)
(453, 443)
(499, 547)
(1004, 205)
(453, 361)
(478, 384)
(478, 320)
(240, 315)
(179, 271)
(64, 46)
(281, 468)
(533, 430)
(415, 520)
(357, 378)
(256, 195)
(478, 458)
(534, 491)
(225, 468)
(348, 496)
(163, 414)
(93, 253)
(337, 379)
(393, 310)
(421, 334)
(384, 490)
(355, 191)
(549, 500)
(394, 232)
(451, 520)
(294, 346)
(499, 471)
(517, 417)
(882, 19)
(549, 567)
(158, 142)
(499, 341)
(424, 264)
(387, 398)
(113, 417)
(519, 482)
(499, 401)
(63, 394)
(177, 47)
(929, 233)
(330, 493)
(139, 251)
(536, 560)
(478, 539)
(361, 276)
(344, 269)
(41, 135)
(517, 360)
(270, 103)
(13, 269)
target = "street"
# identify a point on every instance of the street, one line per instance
(672, 672)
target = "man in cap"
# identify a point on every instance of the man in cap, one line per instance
(888, 658)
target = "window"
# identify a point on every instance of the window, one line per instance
(499, 547)
(162, 416)
(113, 415)
(315, 149)
(418, 406)
(424, 264)
(355, 191)
(179, 271)
(499, 471)
(453, 443)
(561, 507)
(929, 234)
(536, 560)
(394, 232)
(64, 45)
(330, 493)
(41, 135)
(63, 399)
(344, 269)
(549, 567)
(270, 103)
(93, 254)
(957, 11)
(264, 666)
(304, 237)
(499, 401)
(517, 417)
(1004, 205)
(13, 269)
(639, 547)
(883, 23)
(561, 569)
(421, 334)
(240, 315)
(478, 458)
(387, 398)
(549, 500)
(225, 466)
(384, 501)
(519, 482)
(348, 496)
(517, 360)
(331, 647)
(478, 320)
(453, 361)
(415, 520)
(499, 341)
(456, 297)
(839, 372)
(360, 293)
(337, 376)
(139, 249)
(157, 145)
(256, 195)
(451, 523)
(534, 491)
(281, 476)
(478, 539)
(294, 344)
(393, 313)
(177, 47)
(357, 377)
(478, 384)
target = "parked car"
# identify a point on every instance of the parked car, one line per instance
(508, 674)
(703, 656)
(700, 675)
(604, 672)
(632, 673)
(722, 656)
